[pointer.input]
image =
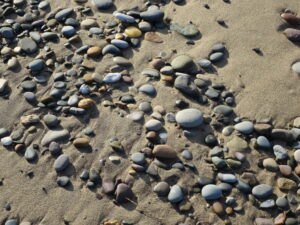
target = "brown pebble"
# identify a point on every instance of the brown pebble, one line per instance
(297, 170)
(218, 208)
(280, 219)
(263, 128)
(229, 210)
(81, 142)
(285, 170)
(85, 103)
(94, 51)
(88, 78)
(153, 37)
(19, 147)
(290, 18)
(157, 63)
(123, 193)
(151, 136)
(164, 151)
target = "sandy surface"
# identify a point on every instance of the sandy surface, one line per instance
(264, 86)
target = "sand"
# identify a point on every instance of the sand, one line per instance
(264, 86)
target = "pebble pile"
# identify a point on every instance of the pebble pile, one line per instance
(77, 90)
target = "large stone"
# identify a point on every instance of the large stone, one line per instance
(164, 151)
(182, 63)
(28, 45)
(55, 135)
(262, 191)
(189, 118)
(211, 192)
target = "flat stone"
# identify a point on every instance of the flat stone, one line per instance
(262, 191)
(136, 116)
(138, 158)
(112, 78)
(81, 142)
(153, 125)
(282, 134)
(6, 141)
(237, 144)
(219, 47)
(286, 184)
(226, 177)
(124, 18)
(123, 192)
(7, 32)
(215, 57)
(153, 37)
(263, 221)
(148, 89)
(63, 14)
(211, 192)
(189, 118)
(108, 186)
(36, 65)
(270, 203)
(121, 61)
(88, 23)
(245, 127)
(152, 15)
(175, 195)
(133, 32)
(292, 34)
(120, 43)
(291, 221)
(164, 151)
(182, 63)
(188, 31)
(55, 135)
(111, 49)
(102, 4)
(223, 110)
(28, 45)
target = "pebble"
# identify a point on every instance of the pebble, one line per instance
(245, 127)
(6, 141)
(223, 110)
(290, 18)
(85, 103)
(102, 4)
(138, 158)
(7, 32)
(226, 177)
(61, 163)
(282, 202)
(262, 191)
(280, 152)
(112, 78)
(152, 37)
(297, 155)
(12, 64)
(81, 142)
(218, 208)
(124, 18)
(36, 65)
(144, 26)
(211, 192)
(296, 67)
(136, 116)
(120, 43)
(184, 84)
(108, 186)
(133, 32)
(3, 84)
(54, 148)
(111, 49)
(153, 125)
(270, 203)
(148, 89)
(11, 222)
(94, 51)
(182, 63)
(215, 57)
(263, 142)
(63, 14)
(292, 34)
(68, 31)
(175, 195)
(270, 164)
(55, 135)
(43, 5)
(286, 184)
(63, 181)
(188, 31)
(30, 154)
(189, 118)
(162, 188)
(186, 154)
(237, 144)
(151, 16)
(28, 45)
(164, 151)
(291, 221)
(263, 221)
(50, 120)
(123, 192)
(88, 23)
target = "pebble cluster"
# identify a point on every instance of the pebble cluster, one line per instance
(77, 90)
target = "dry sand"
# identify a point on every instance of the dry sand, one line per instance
(264, 86)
